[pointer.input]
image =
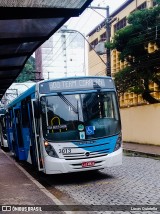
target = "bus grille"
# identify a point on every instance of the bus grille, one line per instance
(86, 155)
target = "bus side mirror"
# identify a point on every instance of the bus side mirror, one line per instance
(36, 107)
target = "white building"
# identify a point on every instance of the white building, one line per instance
(63, 55)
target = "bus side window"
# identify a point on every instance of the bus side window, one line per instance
(25, 119)
(10, 118)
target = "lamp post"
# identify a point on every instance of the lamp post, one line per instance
(73, 30)
(65, 30)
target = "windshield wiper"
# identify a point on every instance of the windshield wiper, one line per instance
(68, 102)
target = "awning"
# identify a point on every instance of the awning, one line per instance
(24, 26)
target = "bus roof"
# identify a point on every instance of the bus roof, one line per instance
(22, 96)
(31, 90)
(75, 77)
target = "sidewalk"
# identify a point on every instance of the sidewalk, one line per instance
(17, 187)
(150, 150)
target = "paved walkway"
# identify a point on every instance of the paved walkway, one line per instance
(17, 187)
(142, 148)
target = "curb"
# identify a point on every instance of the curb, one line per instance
(40, 186)
(139, 153)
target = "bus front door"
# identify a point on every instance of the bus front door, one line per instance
(36, 127)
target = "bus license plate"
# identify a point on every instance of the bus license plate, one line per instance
(86, 164)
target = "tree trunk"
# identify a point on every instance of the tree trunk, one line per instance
(148, 97)
(146, 94)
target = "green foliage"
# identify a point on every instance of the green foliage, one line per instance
(125, 79)
(27, 72)
(132, 42)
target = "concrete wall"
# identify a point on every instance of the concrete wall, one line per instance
(141, 124)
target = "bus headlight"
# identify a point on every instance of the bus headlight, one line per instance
(50, 150)
(119, 142)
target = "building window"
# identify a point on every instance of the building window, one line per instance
(93, 44)
(121, 24)
(142, 6)
(103, 37)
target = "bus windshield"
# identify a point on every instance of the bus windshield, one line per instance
(76, 117)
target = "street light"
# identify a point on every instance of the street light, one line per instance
(63, 30)
(73, 30)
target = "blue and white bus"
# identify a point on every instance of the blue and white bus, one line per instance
(67, 125)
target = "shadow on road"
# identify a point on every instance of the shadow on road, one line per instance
(67, 178)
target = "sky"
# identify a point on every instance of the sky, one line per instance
(89, 19)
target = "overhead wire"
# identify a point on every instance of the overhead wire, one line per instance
(129, 45)
(53, 46)
(61, 46)
(136, 43)
(60, 39)
(68, 45)
(98, 13)
(141, 60)
(148, 31)
(66, 40)
(75, 36)
(144, 63)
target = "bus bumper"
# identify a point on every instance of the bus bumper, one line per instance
(58, 166)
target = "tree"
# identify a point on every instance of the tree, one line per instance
(27, 72)
(132, 42)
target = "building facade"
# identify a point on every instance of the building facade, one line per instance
(97, 35)
(62, 55)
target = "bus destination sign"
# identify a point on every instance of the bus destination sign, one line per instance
(75, 84)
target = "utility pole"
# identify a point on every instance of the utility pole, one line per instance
(108, 34)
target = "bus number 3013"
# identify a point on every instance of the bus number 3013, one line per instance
(65, 151)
